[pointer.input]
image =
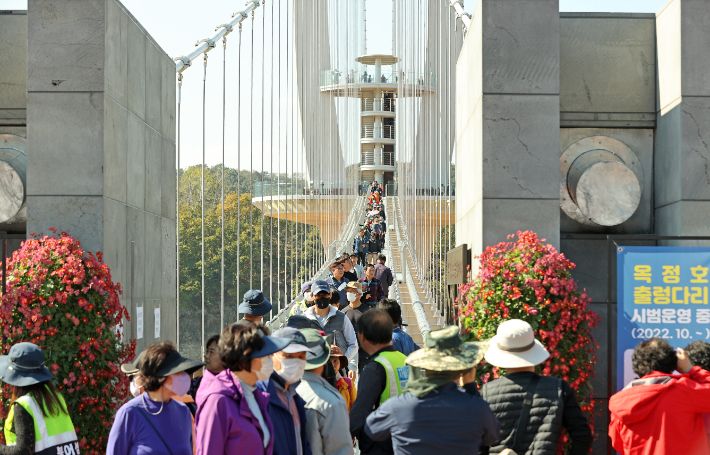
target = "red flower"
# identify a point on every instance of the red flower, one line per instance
(527, 279)
(49, 280)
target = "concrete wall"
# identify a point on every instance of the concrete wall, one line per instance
(101, 129)
(682, 153)
(13, 97)
(607, 70)
(13, 77)
(508, 119)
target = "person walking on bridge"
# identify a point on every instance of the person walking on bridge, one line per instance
(371, 286)
(35, 404)
(326, 411)
(533, 409)
(385, 376)
(336, 280)
(441, 411)
(254, 306)
(286, 407)
(401, 340)
(327, 318)
(383, 274)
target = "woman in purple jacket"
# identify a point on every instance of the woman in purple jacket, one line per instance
(231, 412)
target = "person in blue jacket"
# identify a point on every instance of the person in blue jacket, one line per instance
(286, 408)
(360, 245)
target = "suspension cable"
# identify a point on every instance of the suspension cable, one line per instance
(202, 201)
(177, 200)
(239, 165)
(224, 116)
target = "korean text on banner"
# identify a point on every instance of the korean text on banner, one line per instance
(662, 292)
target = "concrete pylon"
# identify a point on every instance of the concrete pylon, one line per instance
(682, 188)
(508, 123)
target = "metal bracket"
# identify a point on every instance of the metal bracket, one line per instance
(184, 60)
(229, 28)
(241, 13)
(210, 43)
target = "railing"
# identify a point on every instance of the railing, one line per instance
(337, 77)
(346, 236)
(420, 273)
(378, 105)
(370, 158)
(417, 304)
(377, 132)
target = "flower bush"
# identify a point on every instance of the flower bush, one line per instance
(529, 280)
(63, 299)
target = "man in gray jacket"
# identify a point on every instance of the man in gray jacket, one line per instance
(327, 422)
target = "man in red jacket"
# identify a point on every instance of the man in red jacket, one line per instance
(661, 413)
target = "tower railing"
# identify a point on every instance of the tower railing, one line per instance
(370, 158)
(337, 77)
(378, 105)
(377, 132)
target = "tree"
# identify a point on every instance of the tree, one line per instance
(290, 253)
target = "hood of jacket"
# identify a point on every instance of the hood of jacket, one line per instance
(637, 402)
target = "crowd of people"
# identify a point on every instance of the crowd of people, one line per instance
(294, 391)
(343, 374)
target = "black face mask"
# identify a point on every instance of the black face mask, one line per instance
(323, 303)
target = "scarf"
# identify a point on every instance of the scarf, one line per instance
(423, 385)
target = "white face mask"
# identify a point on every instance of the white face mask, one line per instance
(135, 388)
(352, 297)
(181, 383)
(308, 296)
(267, 367)
(292, 370)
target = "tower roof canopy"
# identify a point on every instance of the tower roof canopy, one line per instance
(384, 59)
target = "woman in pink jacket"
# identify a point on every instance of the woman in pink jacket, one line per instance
(231, 412)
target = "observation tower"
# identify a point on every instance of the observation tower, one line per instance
(378, 89)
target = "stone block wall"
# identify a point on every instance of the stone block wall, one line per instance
(507, 132)
(101, 128)
(682, 153)
(641, 79)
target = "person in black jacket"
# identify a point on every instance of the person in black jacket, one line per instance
(554, 405)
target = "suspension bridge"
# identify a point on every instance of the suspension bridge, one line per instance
(326, 113)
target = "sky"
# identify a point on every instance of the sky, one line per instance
(178, 24)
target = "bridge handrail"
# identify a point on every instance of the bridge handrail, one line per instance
(204, 46)
(417, 304)
(351, 224)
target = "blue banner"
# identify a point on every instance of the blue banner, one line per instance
(662, 292)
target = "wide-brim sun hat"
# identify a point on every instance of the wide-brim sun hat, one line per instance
(515, 346)
(254, 303)
(444, 350)
(320, 347)
(24, 366)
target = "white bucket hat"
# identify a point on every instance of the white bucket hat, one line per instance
(515, 346)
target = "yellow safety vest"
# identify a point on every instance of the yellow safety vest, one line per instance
(54, 435)
(397, 373)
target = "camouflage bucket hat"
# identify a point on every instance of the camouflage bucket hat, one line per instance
(444, 350)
